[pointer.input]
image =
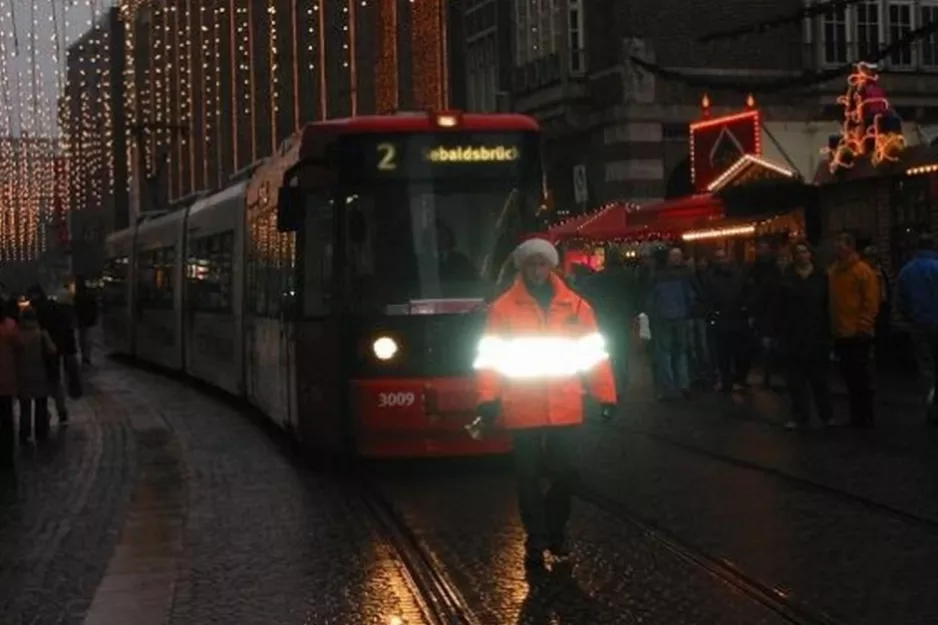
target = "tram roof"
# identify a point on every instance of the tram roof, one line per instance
(421, 121)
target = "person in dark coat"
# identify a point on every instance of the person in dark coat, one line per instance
(764, 277)
(725, 291)
(86, 316)
(800, 327)
(56, 318)
(608, 292)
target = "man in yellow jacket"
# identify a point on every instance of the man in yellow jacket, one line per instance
(855, 300)
(541, 355)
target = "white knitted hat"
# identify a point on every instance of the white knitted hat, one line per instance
(536, 247)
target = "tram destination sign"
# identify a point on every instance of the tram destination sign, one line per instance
(435, 155)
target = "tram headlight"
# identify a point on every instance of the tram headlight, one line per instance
(384, 348)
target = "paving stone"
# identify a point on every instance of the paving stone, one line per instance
(60, 515)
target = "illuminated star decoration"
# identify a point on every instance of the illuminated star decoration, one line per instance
(870, 126)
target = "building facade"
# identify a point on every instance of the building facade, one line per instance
(618, 128)
(95, 129)
(488, 54)
(218, 85)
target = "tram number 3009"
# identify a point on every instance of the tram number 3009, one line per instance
(396, 400)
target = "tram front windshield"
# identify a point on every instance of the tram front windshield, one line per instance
(421, 242)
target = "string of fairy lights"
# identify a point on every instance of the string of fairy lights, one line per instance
(205, 88)
(33, 145)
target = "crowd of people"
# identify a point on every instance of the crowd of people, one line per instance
(41, 337)
(712, 318)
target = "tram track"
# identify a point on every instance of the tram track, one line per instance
(438, 597)
(796, 481)
(785, 606)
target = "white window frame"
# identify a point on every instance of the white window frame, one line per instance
(931, 5)
(912, 25)
(848, 32)
(879, 27)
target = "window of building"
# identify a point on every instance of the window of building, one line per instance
(577, 38)
(868, 25)
(928, 14)
(210, 273)
(535, 30)
(835, 37)
(155, 282)
(900, 25)
(114, 280)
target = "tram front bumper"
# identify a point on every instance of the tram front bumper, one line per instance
(401, 417)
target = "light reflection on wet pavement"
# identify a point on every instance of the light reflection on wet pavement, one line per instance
(220, 524)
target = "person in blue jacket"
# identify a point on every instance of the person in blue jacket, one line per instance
(670, 304)
(917, 302)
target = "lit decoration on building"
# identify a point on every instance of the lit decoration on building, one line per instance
(870, 126)
(719, 233)
(747, 162)
(386, 72)
(428, 41)
(718, 143)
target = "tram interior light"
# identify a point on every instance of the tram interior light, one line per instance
(385, 348)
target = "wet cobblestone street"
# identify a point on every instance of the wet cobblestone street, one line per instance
(162, 504)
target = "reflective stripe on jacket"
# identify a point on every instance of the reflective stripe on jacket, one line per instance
(543, 403)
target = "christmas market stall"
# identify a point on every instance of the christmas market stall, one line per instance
(734, 186)
(578, 245)
(874, 185)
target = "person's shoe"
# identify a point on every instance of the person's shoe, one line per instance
(791, 425)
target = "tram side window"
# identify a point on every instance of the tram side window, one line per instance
(114, 291)
(210, 273)
(156, 278)
(317, 252)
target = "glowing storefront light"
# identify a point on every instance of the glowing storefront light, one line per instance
(534, 358)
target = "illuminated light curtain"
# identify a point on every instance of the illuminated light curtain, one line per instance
(386, 73)
(427, 43)
(274, 70)
(7, 147)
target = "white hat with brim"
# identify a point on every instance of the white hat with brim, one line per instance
(536, 247)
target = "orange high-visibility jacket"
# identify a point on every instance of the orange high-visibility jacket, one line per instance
(554, 402)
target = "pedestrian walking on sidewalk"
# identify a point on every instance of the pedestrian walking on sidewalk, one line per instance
(9, 337)
(917, 302)
(36, 359)
(86, 316)
(855, 299)
(800, 328)
(542, 353)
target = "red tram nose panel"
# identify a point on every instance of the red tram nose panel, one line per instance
(419, 417)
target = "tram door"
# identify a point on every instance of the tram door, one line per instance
(319, 382)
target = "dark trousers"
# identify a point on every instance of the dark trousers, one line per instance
(551, 453)
(807, 377)
(733, 352)
(34, 413)
(7, 437)
(854, 354)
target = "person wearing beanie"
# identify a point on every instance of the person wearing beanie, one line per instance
(541, 354)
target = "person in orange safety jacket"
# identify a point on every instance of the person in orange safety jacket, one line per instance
(549, 356)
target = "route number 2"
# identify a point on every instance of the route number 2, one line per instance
(396, 400)
(387, 160)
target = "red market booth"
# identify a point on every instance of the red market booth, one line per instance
(726, 156)
(576, 239)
